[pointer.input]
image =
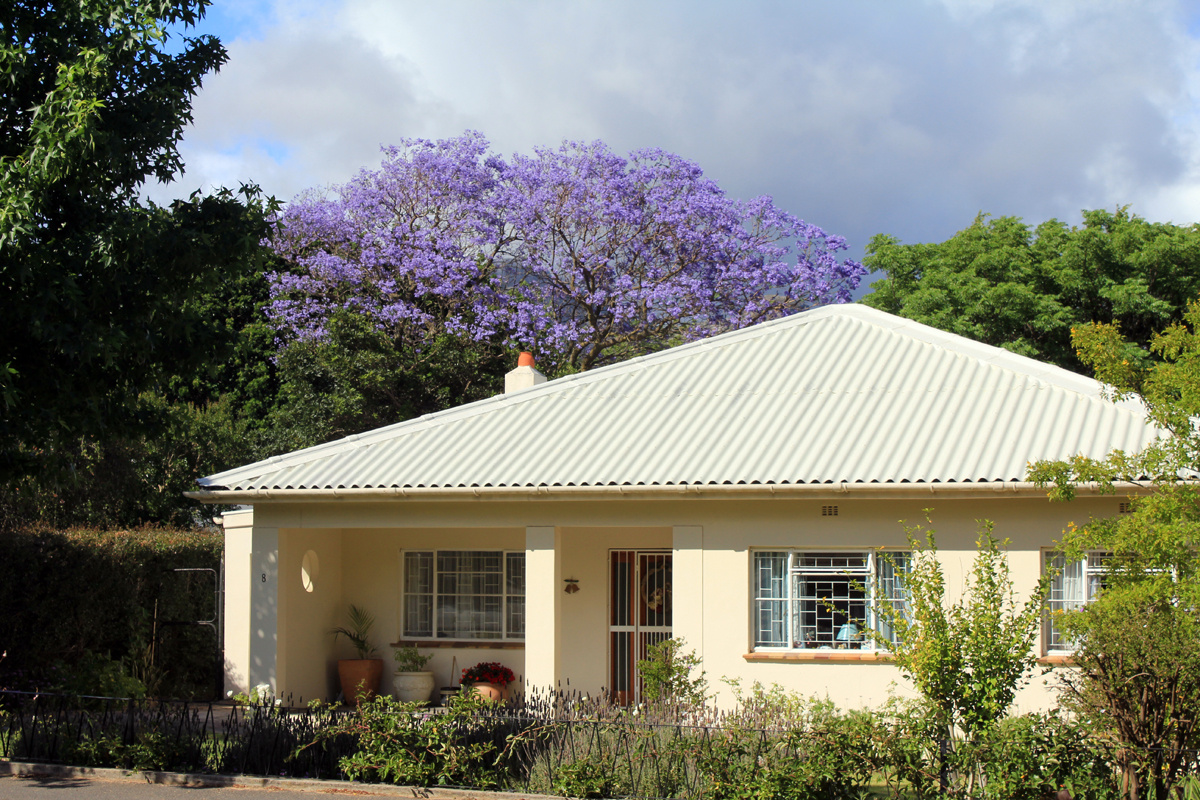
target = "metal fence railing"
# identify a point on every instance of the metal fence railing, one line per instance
(256, 739)
(571, 750)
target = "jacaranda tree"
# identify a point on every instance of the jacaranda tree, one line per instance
(578, 254)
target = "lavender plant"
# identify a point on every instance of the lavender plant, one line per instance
(575, 253)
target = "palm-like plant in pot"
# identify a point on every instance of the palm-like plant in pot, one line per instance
(359, 676)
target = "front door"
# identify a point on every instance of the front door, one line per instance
(639, 615)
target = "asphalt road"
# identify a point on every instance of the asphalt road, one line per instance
(47, 788)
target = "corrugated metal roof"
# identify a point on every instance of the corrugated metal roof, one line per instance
(838, 394)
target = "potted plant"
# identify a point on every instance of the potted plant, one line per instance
(359, 676)
(490, 679)
(412, 684)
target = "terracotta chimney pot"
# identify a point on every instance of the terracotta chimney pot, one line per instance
(524, 376)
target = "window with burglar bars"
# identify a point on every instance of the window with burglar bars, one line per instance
(1075, 584)
(825, 600)
(464, 594)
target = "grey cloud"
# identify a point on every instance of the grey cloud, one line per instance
(861, 117)
(328, 99)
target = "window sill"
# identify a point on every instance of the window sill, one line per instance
(1057, 660)
(461, 644)
(818, 656)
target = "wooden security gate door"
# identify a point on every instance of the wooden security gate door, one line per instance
(639, 615)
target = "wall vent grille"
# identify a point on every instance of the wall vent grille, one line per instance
(829, 511)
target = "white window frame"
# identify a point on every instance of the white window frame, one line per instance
(1091, 571)
(791, 602)
(437, 635)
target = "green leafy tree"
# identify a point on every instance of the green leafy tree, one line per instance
(1138, 645)
(125, 482)
(967, 657)
(999, 281)
(105, 293)
(359, 378)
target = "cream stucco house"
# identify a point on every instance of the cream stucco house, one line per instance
(734, 492)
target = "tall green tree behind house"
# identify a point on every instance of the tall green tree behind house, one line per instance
(106, 296)
(1002, 282)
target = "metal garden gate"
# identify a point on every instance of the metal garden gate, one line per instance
(639, 615)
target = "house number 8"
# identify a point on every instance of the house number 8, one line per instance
(264, 577)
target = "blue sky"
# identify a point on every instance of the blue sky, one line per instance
(862, 117)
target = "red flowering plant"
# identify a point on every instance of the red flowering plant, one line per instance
(489, 672)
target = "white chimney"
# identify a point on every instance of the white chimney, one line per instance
(524, 376)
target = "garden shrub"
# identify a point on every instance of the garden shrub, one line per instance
(780, 745)
(1035, 755)
(152, 750)
(594, 776)
(83, 597)
(907, 734)
(94, 674)
(667, 674)
(403, 743)
(813, 751)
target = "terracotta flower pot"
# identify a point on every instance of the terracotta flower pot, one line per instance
(492, 691)
(360, 678)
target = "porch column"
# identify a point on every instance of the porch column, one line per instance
(239, 536)
(264, 607)
(687, 578)
(543, 611)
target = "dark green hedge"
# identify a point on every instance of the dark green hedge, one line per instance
(66, 596)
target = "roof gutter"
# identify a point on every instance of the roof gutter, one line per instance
(890, 491)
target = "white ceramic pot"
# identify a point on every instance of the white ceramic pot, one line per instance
(413, 687)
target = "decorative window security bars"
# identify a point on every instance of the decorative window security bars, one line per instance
(824, 600)
(464, 594)
(639, 616)
(1075, 584)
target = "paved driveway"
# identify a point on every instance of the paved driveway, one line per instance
(45, 788)
(30, 782)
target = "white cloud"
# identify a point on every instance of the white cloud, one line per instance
(862, 117)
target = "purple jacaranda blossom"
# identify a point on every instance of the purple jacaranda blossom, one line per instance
(412, 245)
(576, 253)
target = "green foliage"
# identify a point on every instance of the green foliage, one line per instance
(907, 736)
(95, 674)
(104, 292)
(1035, 755)
(667, 674)
(596, 775)
(68, 596)
(126, 482)
(358, 378)
(1138, 644)
(359, 632)
(1001, 283)
(1138, 677)
(396, 743)
(968, 657)
(152, 750)
(409, 659)
(808, 749)
(1170, 390)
